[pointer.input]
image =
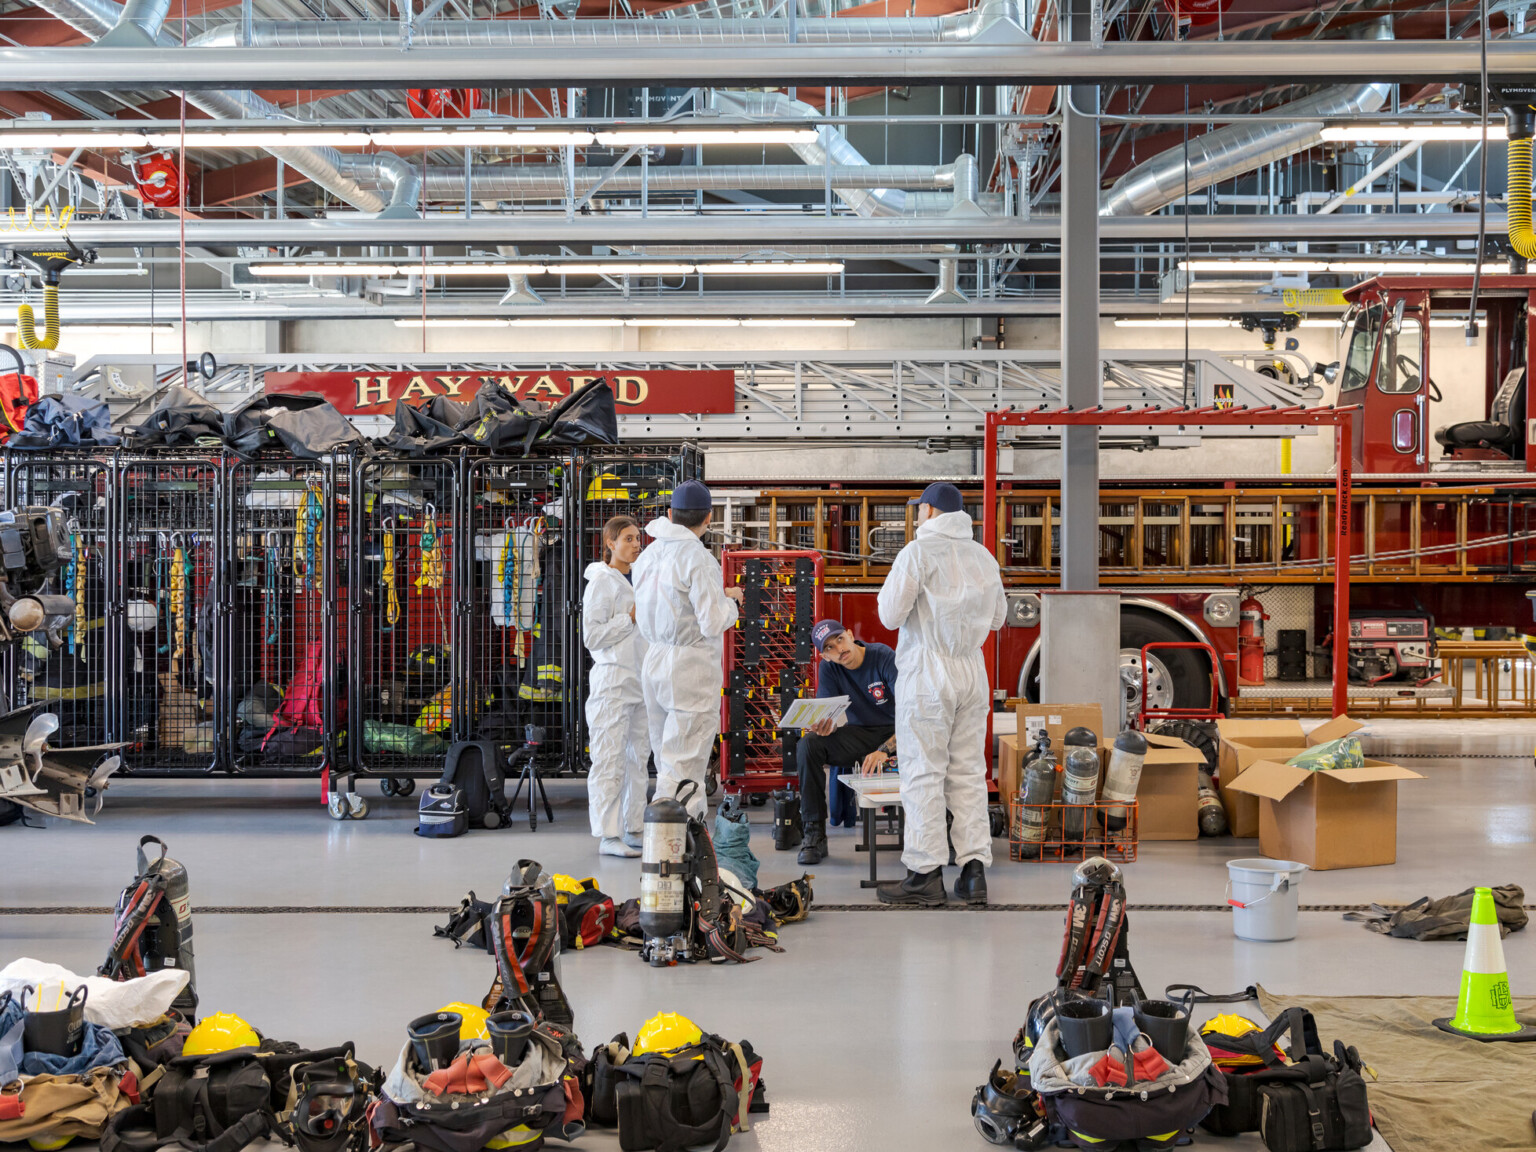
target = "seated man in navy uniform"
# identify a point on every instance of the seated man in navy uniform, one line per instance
(866, 737)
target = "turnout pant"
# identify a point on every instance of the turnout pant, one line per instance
(845, 746)
(618, 740)
(941, 727)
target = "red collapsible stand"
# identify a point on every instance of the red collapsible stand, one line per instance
(769, 663)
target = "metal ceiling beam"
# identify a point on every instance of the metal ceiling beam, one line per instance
(757, 229)
(703, 63)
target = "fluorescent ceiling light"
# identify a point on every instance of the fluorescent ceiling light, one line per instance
(630, 269)
(774, 268)
(480, 138)
(626, 137)
(797, 322)
(469, 269)
(1390, 133)
(682, 322)
(566, 322)
(193, 139)
(120, 330)
(451, 322)
(1174, 322)
(1252, 266)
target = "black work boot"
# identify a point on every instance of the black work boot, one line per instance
(971, 884)
(814, 850)
(922, 889)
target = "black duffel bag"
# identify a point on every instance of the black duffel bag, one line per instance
(1317, 1105)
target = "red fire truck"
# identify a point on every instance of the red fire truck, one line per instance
(1442, 527)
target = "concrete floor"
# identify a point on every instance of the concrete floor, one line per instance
(876, 1026)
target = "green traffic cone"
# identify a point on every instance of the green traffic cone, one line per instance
(1484, 1010)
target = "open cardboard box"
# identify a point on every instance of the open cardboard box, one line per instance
(1246, 742)
(1339, 819)
(1168, 796)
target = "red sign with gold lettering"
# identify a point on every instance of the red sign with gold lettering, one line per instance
(375, 393)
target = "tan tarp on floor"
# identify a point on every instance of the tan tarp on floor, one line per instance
(1432, 1090)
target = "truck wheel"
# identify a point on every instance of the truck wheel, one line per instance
(1181, 677)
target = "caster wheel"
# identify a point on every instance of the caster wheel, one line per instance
(337, 807)
(405, 785)
(359, 809)
(387, 786)
(492, 820)
(757, 799)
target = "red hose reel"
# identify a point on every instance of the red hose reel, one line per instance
(159, 179)
(443, 103)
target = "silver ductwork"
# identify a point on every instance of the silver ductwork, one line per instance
(1238, 148)
(350, 178)
(832, 147)
(547, 181)
(990, 22)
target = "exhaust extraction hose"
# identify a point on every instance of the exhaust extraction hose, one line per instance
(1521, 236)
(27, 333)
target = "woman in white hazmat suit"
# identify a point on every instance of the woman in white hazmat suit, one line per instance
(945, 594)
(618, 738)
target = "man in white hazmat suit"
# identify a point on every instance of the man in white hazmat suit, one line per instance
(944, 594)
(683, 608)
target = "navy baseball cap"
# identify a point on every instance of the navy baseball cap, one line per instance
(691, 496)
(943, 497)
(824, 631)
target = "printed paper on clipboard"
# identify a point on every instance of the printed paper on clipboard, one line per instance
(803, 713)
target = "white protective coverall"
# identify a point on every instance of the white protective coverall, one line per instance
(618, 738)
(945, 594)
(682, 612)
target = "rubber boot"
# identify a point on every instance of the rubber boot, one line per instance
(971, 884)
(814, 850)
(921, 889)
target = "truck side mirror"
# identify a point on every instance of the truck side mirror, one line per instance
(1397, 316)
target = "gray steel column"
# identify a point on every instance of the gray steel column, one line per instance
(1080, 372)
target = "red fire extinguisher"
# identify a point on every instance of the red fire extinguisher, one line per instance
(1250, 642)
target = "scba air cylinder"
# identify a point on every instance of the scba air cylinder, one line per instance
(663, 862)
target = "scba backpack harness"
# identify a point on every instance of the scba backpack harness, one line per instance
(228, 1100)
(153, 926)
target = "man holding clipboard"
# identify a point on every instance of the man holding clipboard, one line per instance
(865, 735)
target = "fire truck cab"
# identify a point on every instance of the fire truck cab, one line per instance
(1385, 368)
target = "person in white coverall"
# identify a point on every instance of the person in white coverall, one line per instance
(682, 608)
(944, 594)
(618, 733)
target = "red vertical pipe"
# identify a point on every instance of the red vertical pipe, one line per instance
(989, 535)
(1341, 555)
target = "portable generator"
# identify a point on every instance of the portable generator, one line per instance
(1391, 644)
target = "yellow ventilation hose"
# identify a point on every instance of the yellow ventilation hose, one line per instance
(1300, 299)
(28, 334)
(1518, 199)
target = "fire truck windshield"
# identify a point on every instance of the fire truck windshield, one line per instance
(1362, 347)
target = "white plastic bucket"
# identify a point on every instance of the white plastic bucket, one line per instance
(1265, 896)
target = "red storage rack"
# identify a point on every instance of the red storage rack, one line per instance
(769, 663)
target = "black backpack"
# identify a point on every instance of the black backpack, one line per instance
(442, 813)
(474, 767)
(669, 1101)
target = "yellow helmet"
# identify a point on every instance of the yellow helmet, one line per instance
(473, 1026)
(48, 1142)
(1228, 1024)
(666, 1032)
(607, 486)
(219, 1033)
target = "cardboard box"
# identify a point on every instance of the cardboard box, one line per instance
(1246, 742)
(1168, 797)
(1057, 720)
(1010, 764)
(1340, 819)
